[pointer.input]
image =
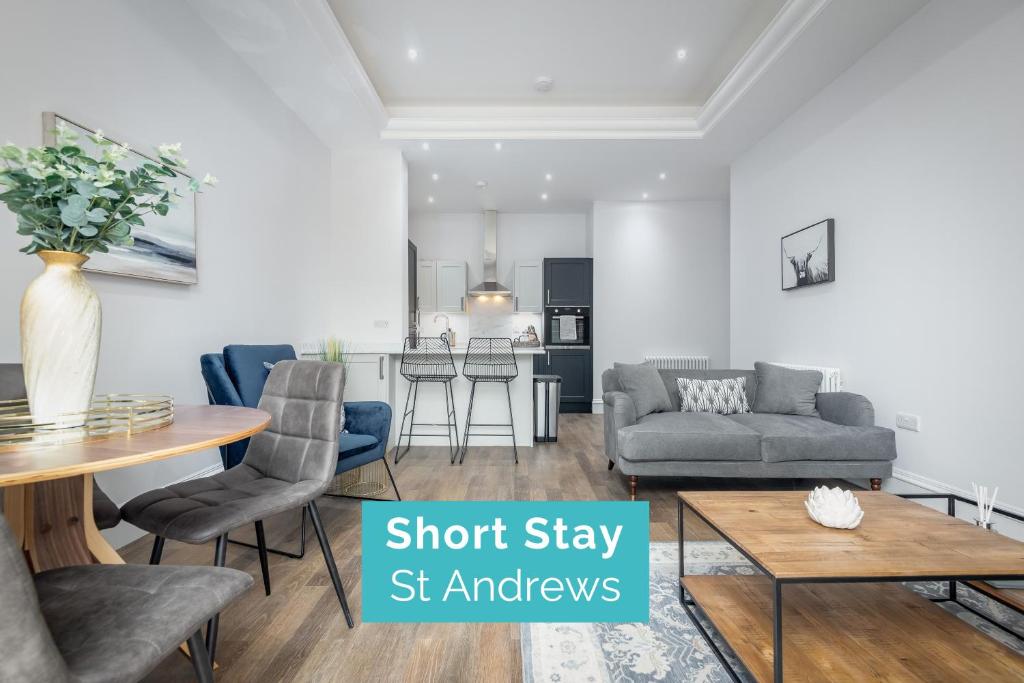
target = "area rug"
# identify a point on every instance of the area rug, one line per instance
(669, 647)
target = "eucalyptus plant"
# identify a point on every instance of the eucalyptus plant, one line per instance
(66, 200)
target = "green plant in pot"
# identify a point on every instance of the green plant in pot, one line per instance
(70, 204)
(333, 350)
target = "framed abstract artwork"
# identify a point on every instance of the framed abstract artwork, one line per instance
(809, 256)
(165, 247)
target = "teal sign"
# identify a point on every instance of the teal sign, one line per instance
(505, 562)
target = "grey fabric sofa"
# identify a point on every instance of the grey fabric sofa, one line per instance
(842, 443)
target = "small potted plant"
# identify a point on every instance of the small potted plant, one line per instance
(68, 205)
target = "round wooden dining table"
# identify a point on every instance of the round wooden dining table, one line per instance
(47, 491)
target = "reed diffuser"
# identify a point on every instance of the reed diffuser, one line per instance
(985, 505)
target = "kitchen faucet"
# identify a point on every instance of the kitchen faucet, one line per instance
(449, 335)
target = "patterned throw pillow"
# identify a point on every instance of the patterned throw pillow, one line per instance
(722, 396)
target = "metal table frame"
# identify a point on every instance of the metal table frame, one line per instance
(690, 606)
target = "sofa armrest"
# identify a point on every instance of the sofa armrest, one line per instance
(619, 412)
(369, 417)
(845, 408)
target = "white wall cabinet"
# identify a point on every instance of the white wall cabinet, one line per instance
(366, 377)
(451, 286)
(426, 286)
(528, 286)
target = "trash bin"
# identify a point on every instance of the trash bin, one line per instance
(547, 394)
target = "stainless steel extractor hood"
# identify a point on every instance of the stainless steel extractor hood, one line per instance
(490, 286)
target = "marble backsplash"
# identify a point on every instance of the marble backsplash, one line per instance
(490, 317)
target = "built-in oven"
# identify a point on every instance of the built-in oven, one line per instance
(567, 326)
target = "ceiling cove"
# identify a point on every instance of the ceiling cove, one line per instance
(575, 122)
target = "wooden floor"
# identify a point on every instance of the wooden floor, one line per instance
(298, 633)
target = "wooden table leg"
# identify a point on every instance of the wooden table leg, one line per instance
(54, 522)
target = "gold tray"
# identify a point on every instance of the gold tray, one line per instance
(109, 416)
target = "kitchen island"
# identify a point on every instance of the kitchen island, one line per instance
(489, 405)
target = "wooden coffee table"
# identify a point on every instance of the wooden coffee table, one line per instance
(844, 616)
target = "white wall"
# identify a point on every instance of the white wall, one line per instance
(367, 288)
(151, 72)
(918, 153)
(661, 281)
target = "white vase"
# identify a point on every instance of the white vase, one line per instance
(60, 340)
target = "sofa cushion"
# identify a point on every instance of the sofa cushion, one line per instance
(645, 386)
(688, 437)
(798, 437)
(785, 390)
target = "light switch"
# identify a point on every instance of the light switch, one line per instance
(908, 421)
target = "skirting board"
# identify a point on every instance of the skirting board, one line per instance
(598, 406)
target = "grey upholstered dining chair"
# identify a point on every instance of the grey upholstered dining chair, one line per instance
(285, 467)
(112, 623)
(12, 388)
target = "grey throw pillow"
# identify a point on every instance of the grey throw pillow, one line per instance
(786, 391)
(644, 385)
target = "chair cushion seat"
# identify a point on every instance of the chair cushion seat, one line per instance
(798, 437)
(118, 622)
(688, 436)
(354, 444)
(199, 510)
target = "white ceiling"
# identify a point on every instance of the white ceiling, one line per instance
(623, 109)
(599, 52)
(581, 171)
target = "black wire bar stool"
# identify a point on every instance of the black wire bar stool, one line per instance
(489, 359)
(428, 359)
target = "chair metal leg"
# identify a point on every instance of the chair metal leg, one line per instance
(283, 553)
(469, 421)
(261, 545)
(401, 429)
(412, 418)
(332, 568)
(200, 657)
(392, 477)
(158, 550)
(448, 408)
(454, 417)
(220, 556)
(512, 422)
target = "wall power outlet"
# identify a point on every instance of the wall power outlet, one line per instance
(908, 421)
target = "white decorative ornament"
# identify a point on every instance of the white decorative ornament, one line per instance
(834, 508)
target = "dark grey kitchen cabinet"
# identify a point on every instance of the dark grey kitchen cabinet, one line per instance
(568, 281)
(575, 367)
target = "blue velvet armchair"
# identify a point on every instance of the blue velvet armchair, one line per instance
(236, 378)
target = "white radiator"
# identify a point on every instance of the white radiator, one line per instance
(831, 378)
(678, 362)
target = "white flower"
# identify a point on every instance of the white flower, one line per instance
(38, 170)
(65, 136)
(114, 153)
(97, 137)
(169, 151)
(210, 180)
(104, 176)
(65, 172)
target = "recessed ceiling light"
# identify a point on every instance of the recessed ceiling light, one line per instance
(481, 184)
(413, 54)
(547, 176)
(430, 200)
(497, 146)
(645, 195)
(661, 176)
(425, 146)
(544, 196)
(543, 84)
(680, 54)
(434, 177)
